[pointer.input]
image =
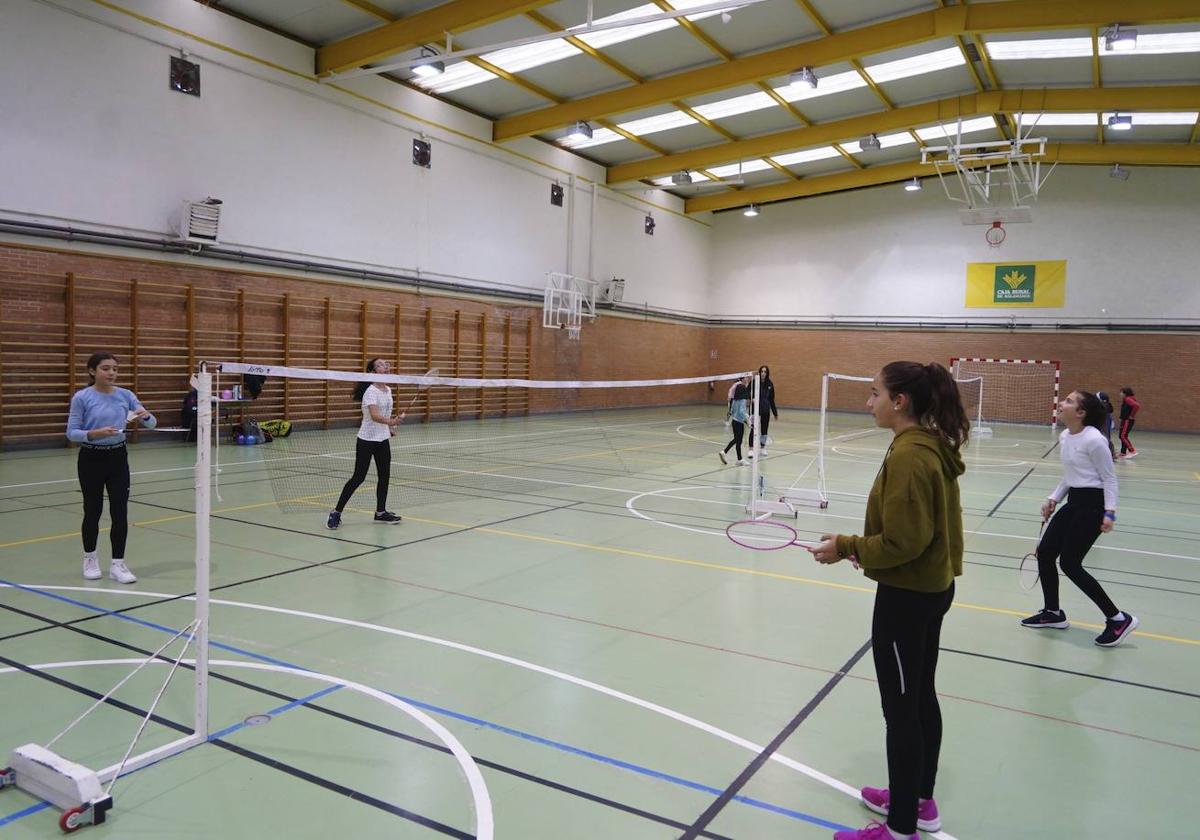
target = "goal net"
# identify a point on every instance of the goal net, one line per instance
(843, 419)
(1020, 391)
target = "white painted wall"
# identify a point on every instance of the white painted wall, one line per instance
(93, 137)
(1132, 248)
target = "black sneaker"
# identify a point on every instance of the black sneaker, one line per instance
(1047, 619)
(387, 516)
(334, 520)
(1116, 631)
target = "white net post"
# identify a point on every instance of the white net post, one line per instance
(970, 392)
(203, 478)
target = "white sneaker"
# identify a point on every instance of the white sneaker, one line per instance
(749, 455)
(119, 572)
(91, 566)
(762, 453)
(721, 455)
(741, 462)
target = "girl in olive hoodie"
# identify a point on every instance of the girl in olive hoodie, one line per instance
(912, 547)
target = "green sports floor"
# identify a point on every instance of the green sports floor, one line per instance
(562, 601)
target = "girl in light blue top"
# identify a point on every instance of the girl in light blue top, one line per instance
(99, 415)
(738, 416)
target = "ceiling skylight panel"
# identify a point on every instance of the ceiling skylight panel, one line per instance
(837, 83)
(516, 59)
(457, 76)
(1035, 121)
(660, 122)
(950, 130)
(733, 169)
(1042, 48)
(916, 65)
(1160, 117)
(1162, 43)
(608, 37)
(886, 141)
(806, 156)
(736, 105)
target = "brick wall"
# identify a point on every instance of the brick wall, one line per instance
(36, 381)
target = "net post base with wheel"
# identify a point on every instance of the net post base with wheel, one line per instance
(63, 783)
(804, 496)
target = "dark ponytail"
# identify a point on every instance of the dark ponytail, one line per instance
(360, 390)
(94, 361)
(1094, 412)
(934, 397)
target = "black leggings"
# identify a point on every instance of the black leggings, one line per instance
(1068, 537)
(739, 429)
(764, 423)
(364, 451)
(905, 634)
(100, 470)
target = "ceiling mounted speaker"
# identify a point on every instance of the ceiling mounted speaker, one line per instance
(185, 76)
(422, 153)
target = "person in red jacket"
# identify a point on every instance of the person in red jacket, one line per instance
(1129, 409)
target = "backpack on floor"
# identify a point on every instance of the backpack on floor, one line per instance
(276, 428)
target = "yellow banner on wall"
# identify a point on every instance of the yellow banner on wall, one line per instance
(1038, 285)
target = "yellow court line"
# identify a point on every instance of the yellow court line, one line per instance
(756, 573)
(626, 552)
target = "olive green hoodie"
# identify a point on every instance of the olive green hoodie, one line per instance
(913, 535)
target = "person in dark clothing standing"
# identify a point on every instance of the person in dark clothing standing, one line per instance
(766, 408)
(1129, 409)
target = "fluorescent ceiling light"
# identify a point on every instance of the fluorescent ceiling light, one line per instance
(430, 66)
(871, 142)
(1041, 48)
(1120, 122)
(580, 132)
(682, 177)
(916, 65)
(793, 92)
(913, 185)
(1160, 117)
(806, 156)
(887, 141)
(669, 180)
(805, 76)
(950, 130)
(1120, 40)
(600, 136)
(751, 211)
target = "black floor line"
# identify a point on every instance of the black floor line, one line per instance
(1051, 449)
(710, 813)
(1099, 677)
(1011, 490)
(293, 570)
(350, 719)
(304, 775)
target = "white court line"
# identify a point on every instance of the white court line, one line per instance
(679, 717)
(482, 801)
(350, 452)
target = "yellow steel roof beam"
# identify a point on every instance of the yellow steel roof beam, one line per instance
(1165, 154)
(1012, 16)
(421, 28)
(1162, 98)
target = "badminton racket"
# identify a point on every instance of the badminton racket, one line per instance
(421, 388)
(768, 535)
(1028, 572)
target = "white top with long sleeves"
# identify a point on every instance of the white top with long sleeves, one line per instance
(1087, 462)
(381, 397)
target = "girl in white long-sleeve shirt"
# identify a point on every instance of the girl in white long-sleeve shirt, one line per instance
(1089, 484)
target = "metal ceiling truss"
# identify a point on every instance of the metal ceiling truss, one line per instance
(1011, 16)
(1163, 98)
(1138, 154)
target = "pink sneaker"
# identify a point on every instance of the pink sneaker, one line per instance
(878, 799)
(874, 831)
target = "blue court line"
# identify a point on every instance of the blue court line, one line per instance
(527, 736)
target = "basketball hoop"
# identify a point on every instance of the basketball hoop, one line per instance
(995, 235)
